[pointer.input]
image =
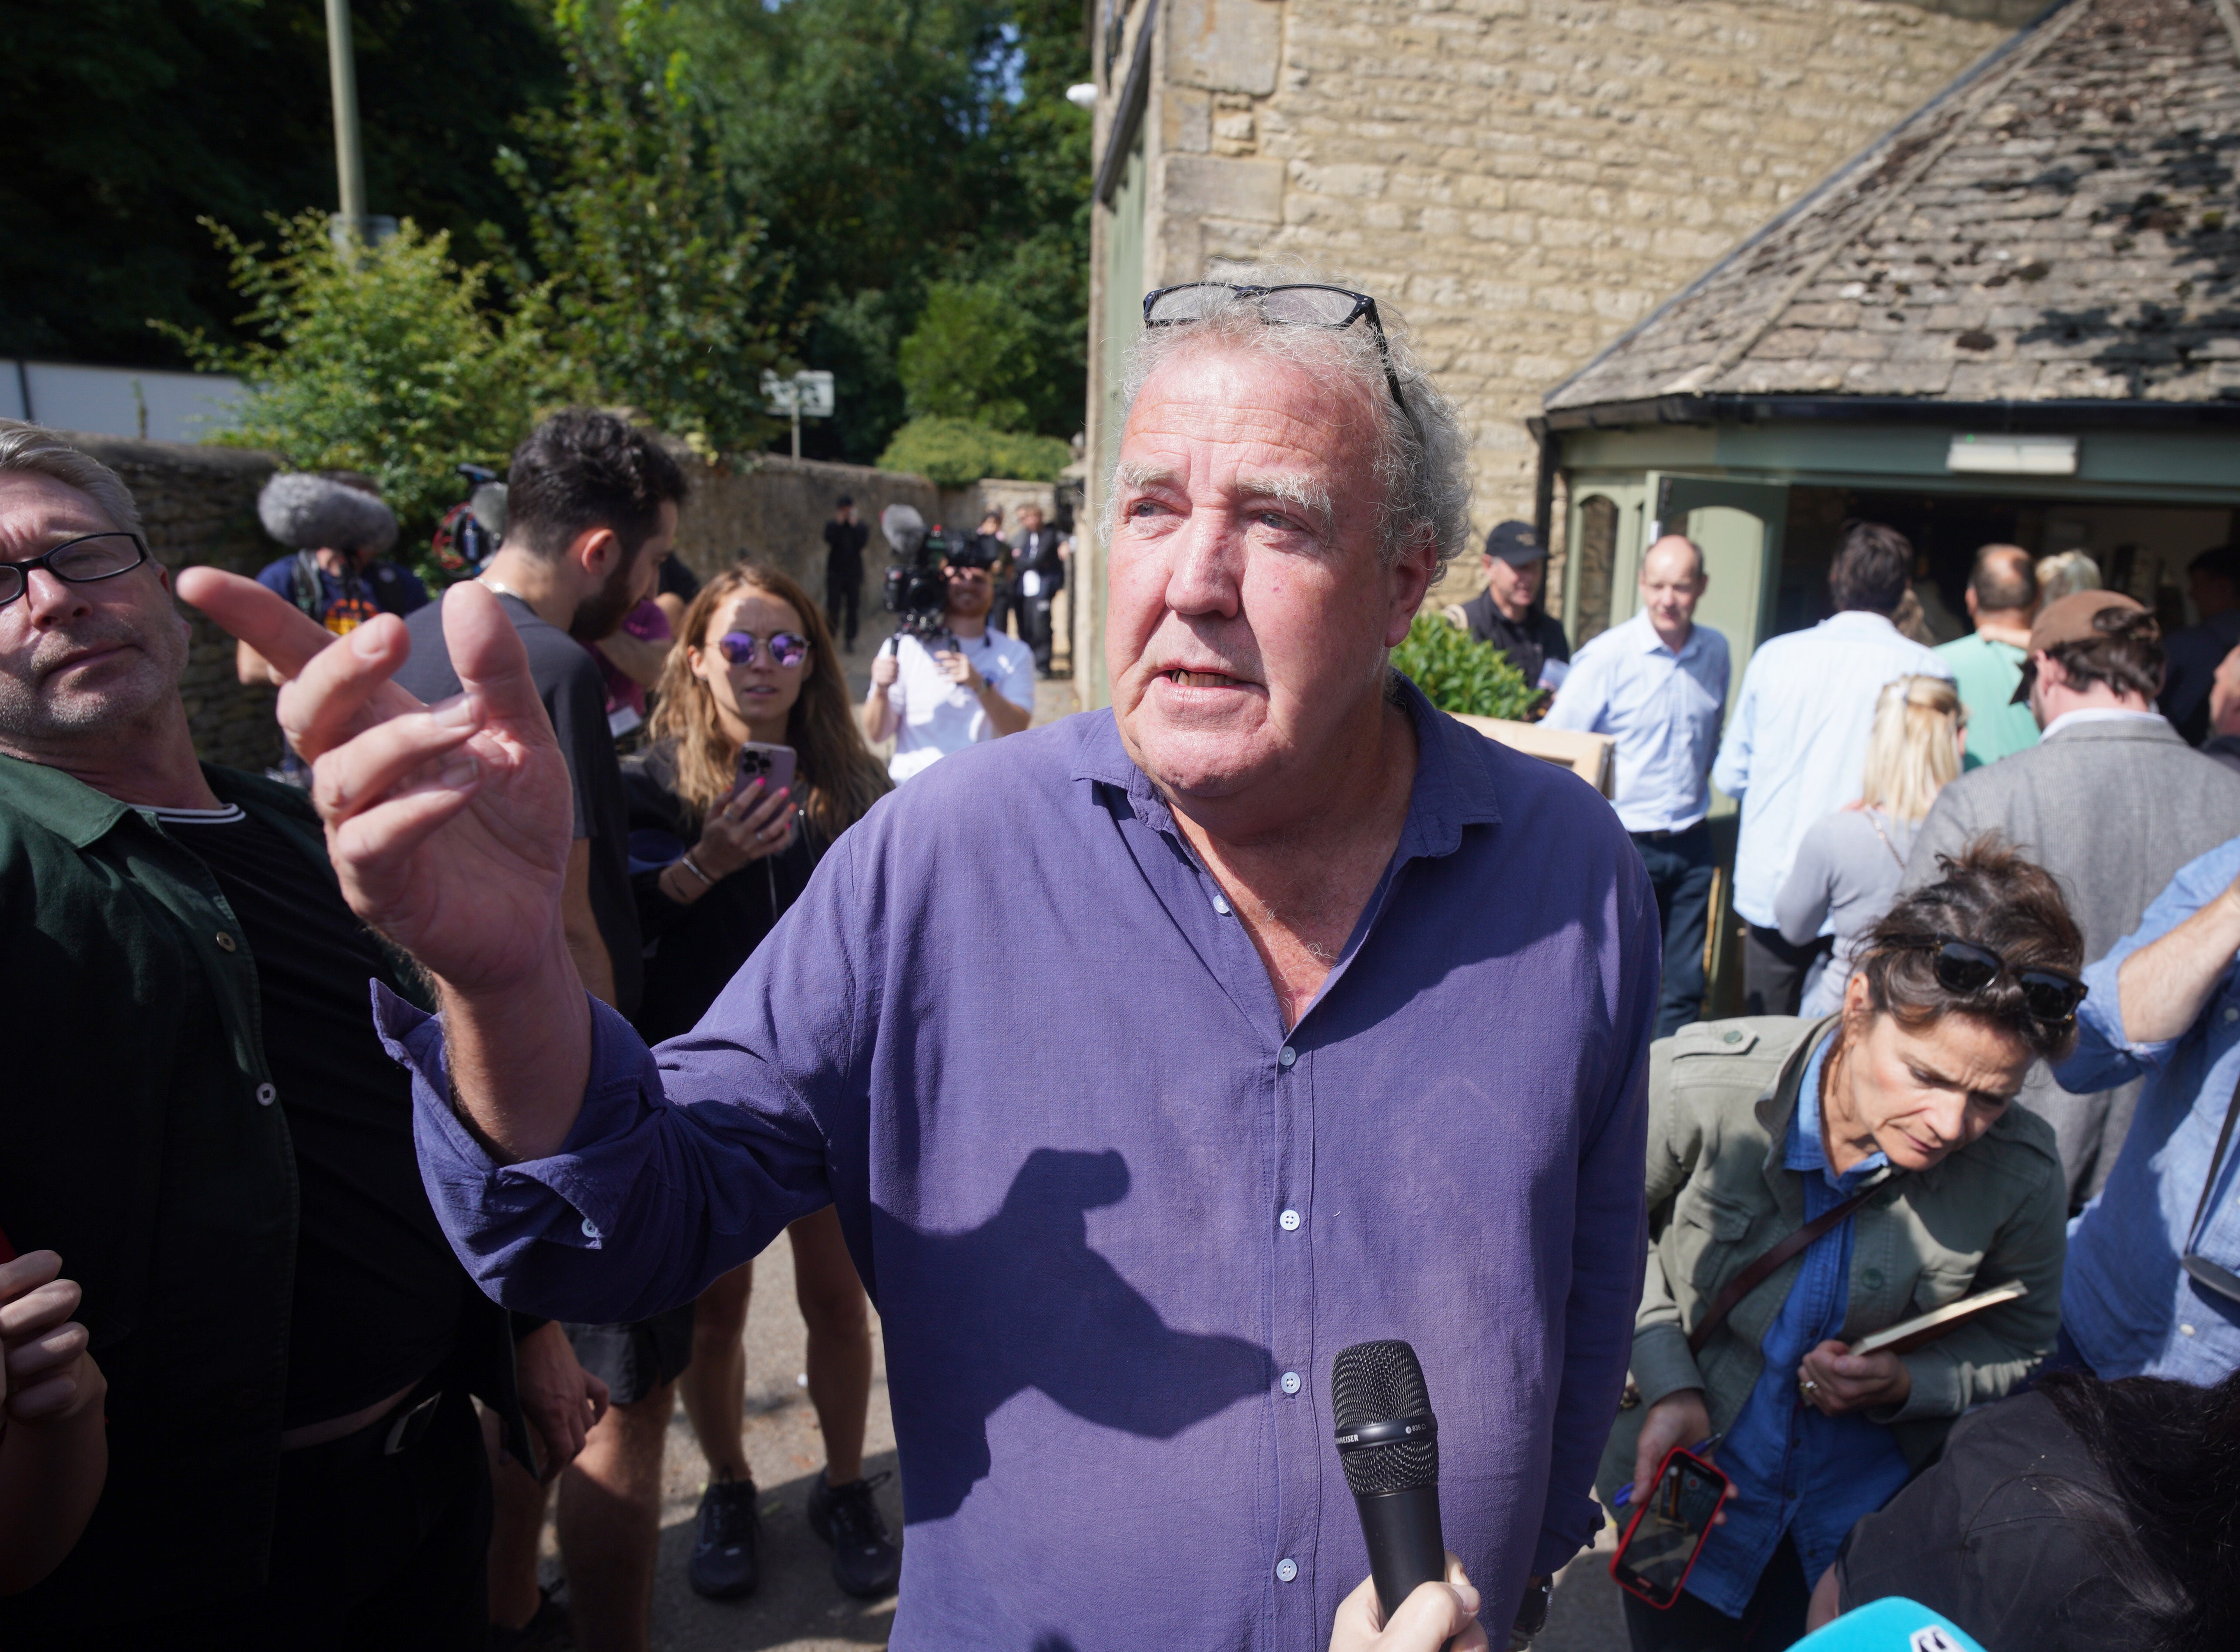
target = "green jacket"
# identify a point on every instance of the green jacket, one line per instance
(142, 1137)
(1721, 1095)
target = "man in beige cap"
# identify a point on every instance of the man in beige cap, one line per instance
(2110, 801)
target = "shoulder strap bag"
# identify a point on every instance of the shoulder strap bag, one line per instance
(2206, 1273)
(1756, 1275)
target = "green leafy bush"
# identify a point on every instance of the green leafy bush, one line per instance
(1459, 674)
(956, 453)
(381, 359)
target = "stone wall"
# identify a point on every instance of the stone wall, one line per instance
(198, 505)
(1528, 177)
(773, 511)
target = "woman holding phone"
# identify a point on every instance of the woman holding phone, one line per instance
(716, 858)
(1874, 1160)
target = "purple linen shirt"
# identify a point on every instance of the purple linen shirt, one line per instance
(1117, 1223)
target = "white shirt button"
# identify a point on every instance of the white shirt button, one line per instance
(590, 1228)
(1285, 1056)
(265, 1095)
(1290, 1382)
(1288, 1221)
(1286, 1569)
(1221, 904)
(2185, 1331)
(2231, 1013)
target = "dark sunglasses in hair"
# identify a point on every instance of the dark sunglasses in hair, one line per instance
(1964, 970)
(786, 651)
(1299, 304)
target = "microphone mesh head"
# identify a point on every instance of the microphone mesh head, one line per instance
(1383, 1382)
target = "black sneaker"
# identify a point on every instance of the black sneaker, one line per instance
(866, 1560)
(726, 1542)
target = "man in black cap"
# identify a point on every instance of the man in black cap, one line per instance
(1507, 613)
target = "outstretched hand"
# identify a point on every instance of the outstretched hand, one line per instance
(448, 825)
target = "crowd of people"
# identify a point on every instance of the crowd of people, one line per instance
(397, 1131)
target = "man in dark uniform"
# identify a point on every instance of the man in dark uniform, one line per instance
(844, 539)
(1507, 613)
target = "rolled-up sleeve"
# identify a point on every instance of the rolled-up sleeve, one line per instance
(2105, 1057)
(693, 1195)
(1610, 1243)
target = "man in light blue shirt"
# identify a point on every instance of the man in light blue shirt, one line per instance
(1796, 747)
(2150, 1288)
(1658, 683)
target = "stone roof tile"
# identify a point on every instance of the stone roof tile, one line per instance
(2072, 197)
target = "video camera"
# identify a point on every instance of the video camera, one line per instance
(916, 590)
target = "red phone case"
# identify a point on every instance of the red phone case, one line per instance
(1642, 1509)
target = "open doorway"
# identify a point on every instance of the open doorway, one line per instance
(2142, 550)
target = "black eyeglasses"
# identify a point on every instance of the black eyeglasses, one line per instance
(785, 649)
(77, 562)
(1302, 304)
(1965, 968)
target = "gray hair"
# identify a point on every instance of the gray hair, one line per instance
(33, 449)
(304, 511)
(1421, 467)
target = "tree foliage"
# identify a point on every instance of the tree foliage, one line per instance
(956, 453)
(384, 360)
(663, 293)
(126, 122)
(1457, 673)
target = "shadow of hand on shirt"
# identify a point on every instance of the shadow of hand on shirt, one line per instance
(1028, 1304)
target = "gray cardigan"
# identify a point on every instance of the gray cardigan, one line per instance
(2112, 809)
(1847, 869)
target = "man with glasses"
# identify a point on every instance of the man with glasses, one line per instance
(969, 683)
(198, 1116)
(1258, 895)
(2153, 1282)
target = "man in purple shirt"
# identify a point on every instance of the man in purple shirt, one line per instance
(1356, 1010)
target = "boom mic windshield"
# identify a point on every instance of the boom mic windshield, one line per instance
(1388, 1442)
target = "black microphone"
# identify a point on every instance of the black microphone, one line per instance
(1388, 1442)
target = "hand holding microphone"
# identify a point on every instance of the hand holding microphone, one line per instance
(1435, 1614)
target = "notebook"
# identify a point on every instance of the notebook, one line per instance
(1922, 1329)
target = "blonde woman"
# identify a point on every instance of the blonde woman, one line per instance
(1849, 863)
(714, 866)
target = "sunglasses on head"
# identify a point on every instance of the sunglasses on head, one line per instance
(785, 649)
(1964, 970)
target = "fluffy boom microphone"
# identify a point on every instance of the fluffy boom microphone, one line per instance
(1388, 1441)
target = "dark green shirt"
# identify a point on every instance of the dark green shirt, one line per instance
(142, 1138)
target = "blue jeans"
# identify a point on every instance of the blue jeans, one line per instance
(1680, 868)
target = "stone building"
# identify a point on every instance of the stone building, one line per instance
(1527, 176)
(2016, 318)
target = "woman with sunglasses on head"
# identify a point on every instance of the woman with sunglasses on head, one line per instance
(1813, 1181)
(716, 865)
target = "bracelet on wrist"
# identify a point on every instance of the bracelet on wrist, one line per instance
(692, 866)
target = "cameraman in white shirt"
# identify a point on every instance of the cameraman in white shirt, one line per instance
(970, 684)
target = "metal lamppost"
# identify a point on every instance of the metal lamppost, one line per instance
(352, 222)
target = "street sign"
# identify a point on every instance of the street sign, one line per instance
(808, 395)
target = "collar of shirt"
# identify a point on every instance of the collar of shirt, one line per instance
(1449, 793)
(2097, 714)
(1860, 619)
(1650, 643)
(1804, 1151)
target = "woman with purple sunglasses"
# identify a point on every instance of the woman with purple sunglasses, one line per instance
(715, 864)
